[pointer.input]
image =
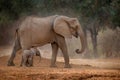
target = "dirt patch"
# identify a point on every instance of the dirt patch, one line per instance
(42, 71)
(57, 74)
(81, 69)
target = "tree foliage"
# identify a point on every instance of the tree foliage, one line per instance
(106, 9)
(11, 9)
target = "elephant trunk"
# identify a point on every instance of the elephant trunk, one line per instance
(82, 40)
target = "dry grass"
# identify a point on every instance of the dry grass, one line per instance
(109, 42)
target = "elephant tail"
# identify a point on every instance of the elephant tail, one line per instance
(17, 35)
(17, 40)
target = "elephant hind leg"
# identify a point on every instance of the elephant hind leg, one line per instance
(16, 47)
(25, 59)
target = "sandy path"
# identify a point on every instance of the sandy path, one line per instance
(42, 71)
(82, 69)
(99, 63)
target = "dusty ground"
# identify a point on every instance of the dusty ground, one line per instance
(84, 70)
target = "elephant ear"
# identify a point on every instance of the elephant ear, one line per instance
(61, 27)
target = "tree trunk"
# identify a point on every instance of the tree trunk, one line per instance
(94, 42)
(86, 55)
(85, 32)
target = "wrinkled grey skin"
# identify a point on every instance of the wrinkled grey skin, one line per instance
(36, 32)
(27, 57)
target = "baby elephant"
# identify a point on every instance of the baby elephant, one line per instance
(27, 57)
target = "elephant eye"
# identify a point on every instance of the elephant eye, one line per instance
(73, 29)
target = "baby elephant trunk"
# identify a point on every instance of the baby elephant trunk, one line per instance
(38, 54)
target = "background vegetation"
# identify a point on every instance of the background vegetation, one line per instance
(94, 15)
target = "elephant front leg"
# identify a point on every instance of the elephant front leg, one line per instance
(54, 54)
(21, 61)
(63, 47)
(25, 58)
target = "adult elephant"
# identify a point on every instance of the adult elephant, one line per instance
(34, 32)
